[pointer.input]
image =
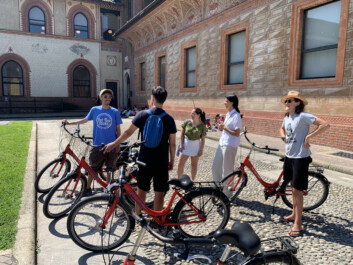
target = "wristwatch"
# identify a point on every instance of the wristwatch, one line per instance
(283, 139)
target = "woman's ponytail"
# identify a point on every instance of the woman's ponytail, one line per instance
(202, 115)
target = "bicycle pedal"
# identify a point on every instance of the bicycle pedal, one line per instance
(176, 234)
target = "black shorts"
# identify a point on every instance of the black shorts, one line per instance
(296, 170)
(158, 173)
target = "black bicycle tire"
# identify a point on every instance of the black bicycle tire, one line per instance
(41, 174)
(240, 186)
(323, 198)
(273, 256)
(78, 239)
(47, 202)
(220, 200)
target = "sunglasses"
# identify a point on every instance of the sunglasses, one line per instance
(290, 101)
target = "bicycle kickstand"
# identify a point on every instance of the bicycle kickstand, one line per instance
(131, 257)
(273, 205)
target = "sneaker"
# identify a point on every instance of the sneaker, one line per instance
(87, 192)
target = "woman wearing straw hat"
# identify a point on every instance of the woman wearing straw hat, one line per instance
(295, 133)
(224, 160)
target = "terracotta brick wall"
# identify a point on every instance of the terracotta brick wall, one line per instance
(339, 135)
(269, 51)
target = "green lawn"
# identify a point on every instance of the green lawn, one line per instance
(14, 143)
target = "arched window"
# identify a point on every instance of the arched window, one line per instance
(81, 82)
(36, 20)
(12, 79)
(80, 26)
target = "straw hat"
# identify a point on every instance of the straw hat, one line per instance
(294, 94)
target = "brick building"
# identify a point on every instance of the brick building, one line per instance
(200, 50)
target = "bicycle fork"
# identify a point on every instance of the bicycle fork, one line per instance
(131, 257)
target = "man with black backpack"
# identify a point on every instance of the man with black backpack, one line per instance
(158, 131)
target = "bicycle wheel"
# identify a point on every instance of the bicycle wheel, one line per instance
(233, 178)
(273, 257)
(64, 195)
(51, 174)
(316, 194)
(211, 203)
(83, 224)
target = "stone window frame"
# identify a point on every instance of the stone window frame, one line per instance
(158, 70)
(184, 47)
(298, 9)
(90, 20)
(223, 74)
(70, 74)
(26, 7)
(118, 19)
(25, 71)
(139, 62)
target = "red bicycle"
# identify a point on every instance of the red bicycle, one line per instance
(314, 196)
(69, 190)
(58, 168)
(102, 223)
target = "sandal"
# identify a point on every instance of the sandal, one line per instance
(296, 233)
(284, 219)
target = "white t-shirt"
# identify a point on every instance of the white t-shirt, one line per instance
(232, 122)
(297, 128)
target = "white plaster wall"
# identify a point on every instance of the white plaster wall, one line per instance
(59, 14)
(9, 16)
(49, 59)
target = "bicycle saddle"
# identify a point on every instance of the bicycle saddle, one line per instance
(184, 182)
(241, 236)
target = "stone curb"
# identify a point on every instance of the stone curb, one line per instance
(24, 248)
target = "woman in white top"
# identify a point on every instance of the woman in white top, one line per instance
(223, 163)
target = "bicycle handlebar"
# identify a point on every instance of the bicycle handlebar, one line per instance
(77, 131)
(76, 134)
(268, 149)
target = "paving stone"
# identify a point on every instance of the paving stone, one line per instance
(328, 238)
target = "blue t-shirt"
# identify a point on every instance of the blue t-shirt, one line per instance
(104, 124)
(297, 128)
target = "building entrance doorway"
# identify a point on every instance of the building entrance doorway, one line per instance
(114, 87)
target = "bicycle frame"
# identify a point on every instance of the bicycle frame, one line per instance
(166, 211)
(152, 213)
(84, 164)
(270, 187)
(63, 155)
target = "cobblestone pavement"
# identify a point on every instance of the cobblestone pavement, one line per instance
(328, 237)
